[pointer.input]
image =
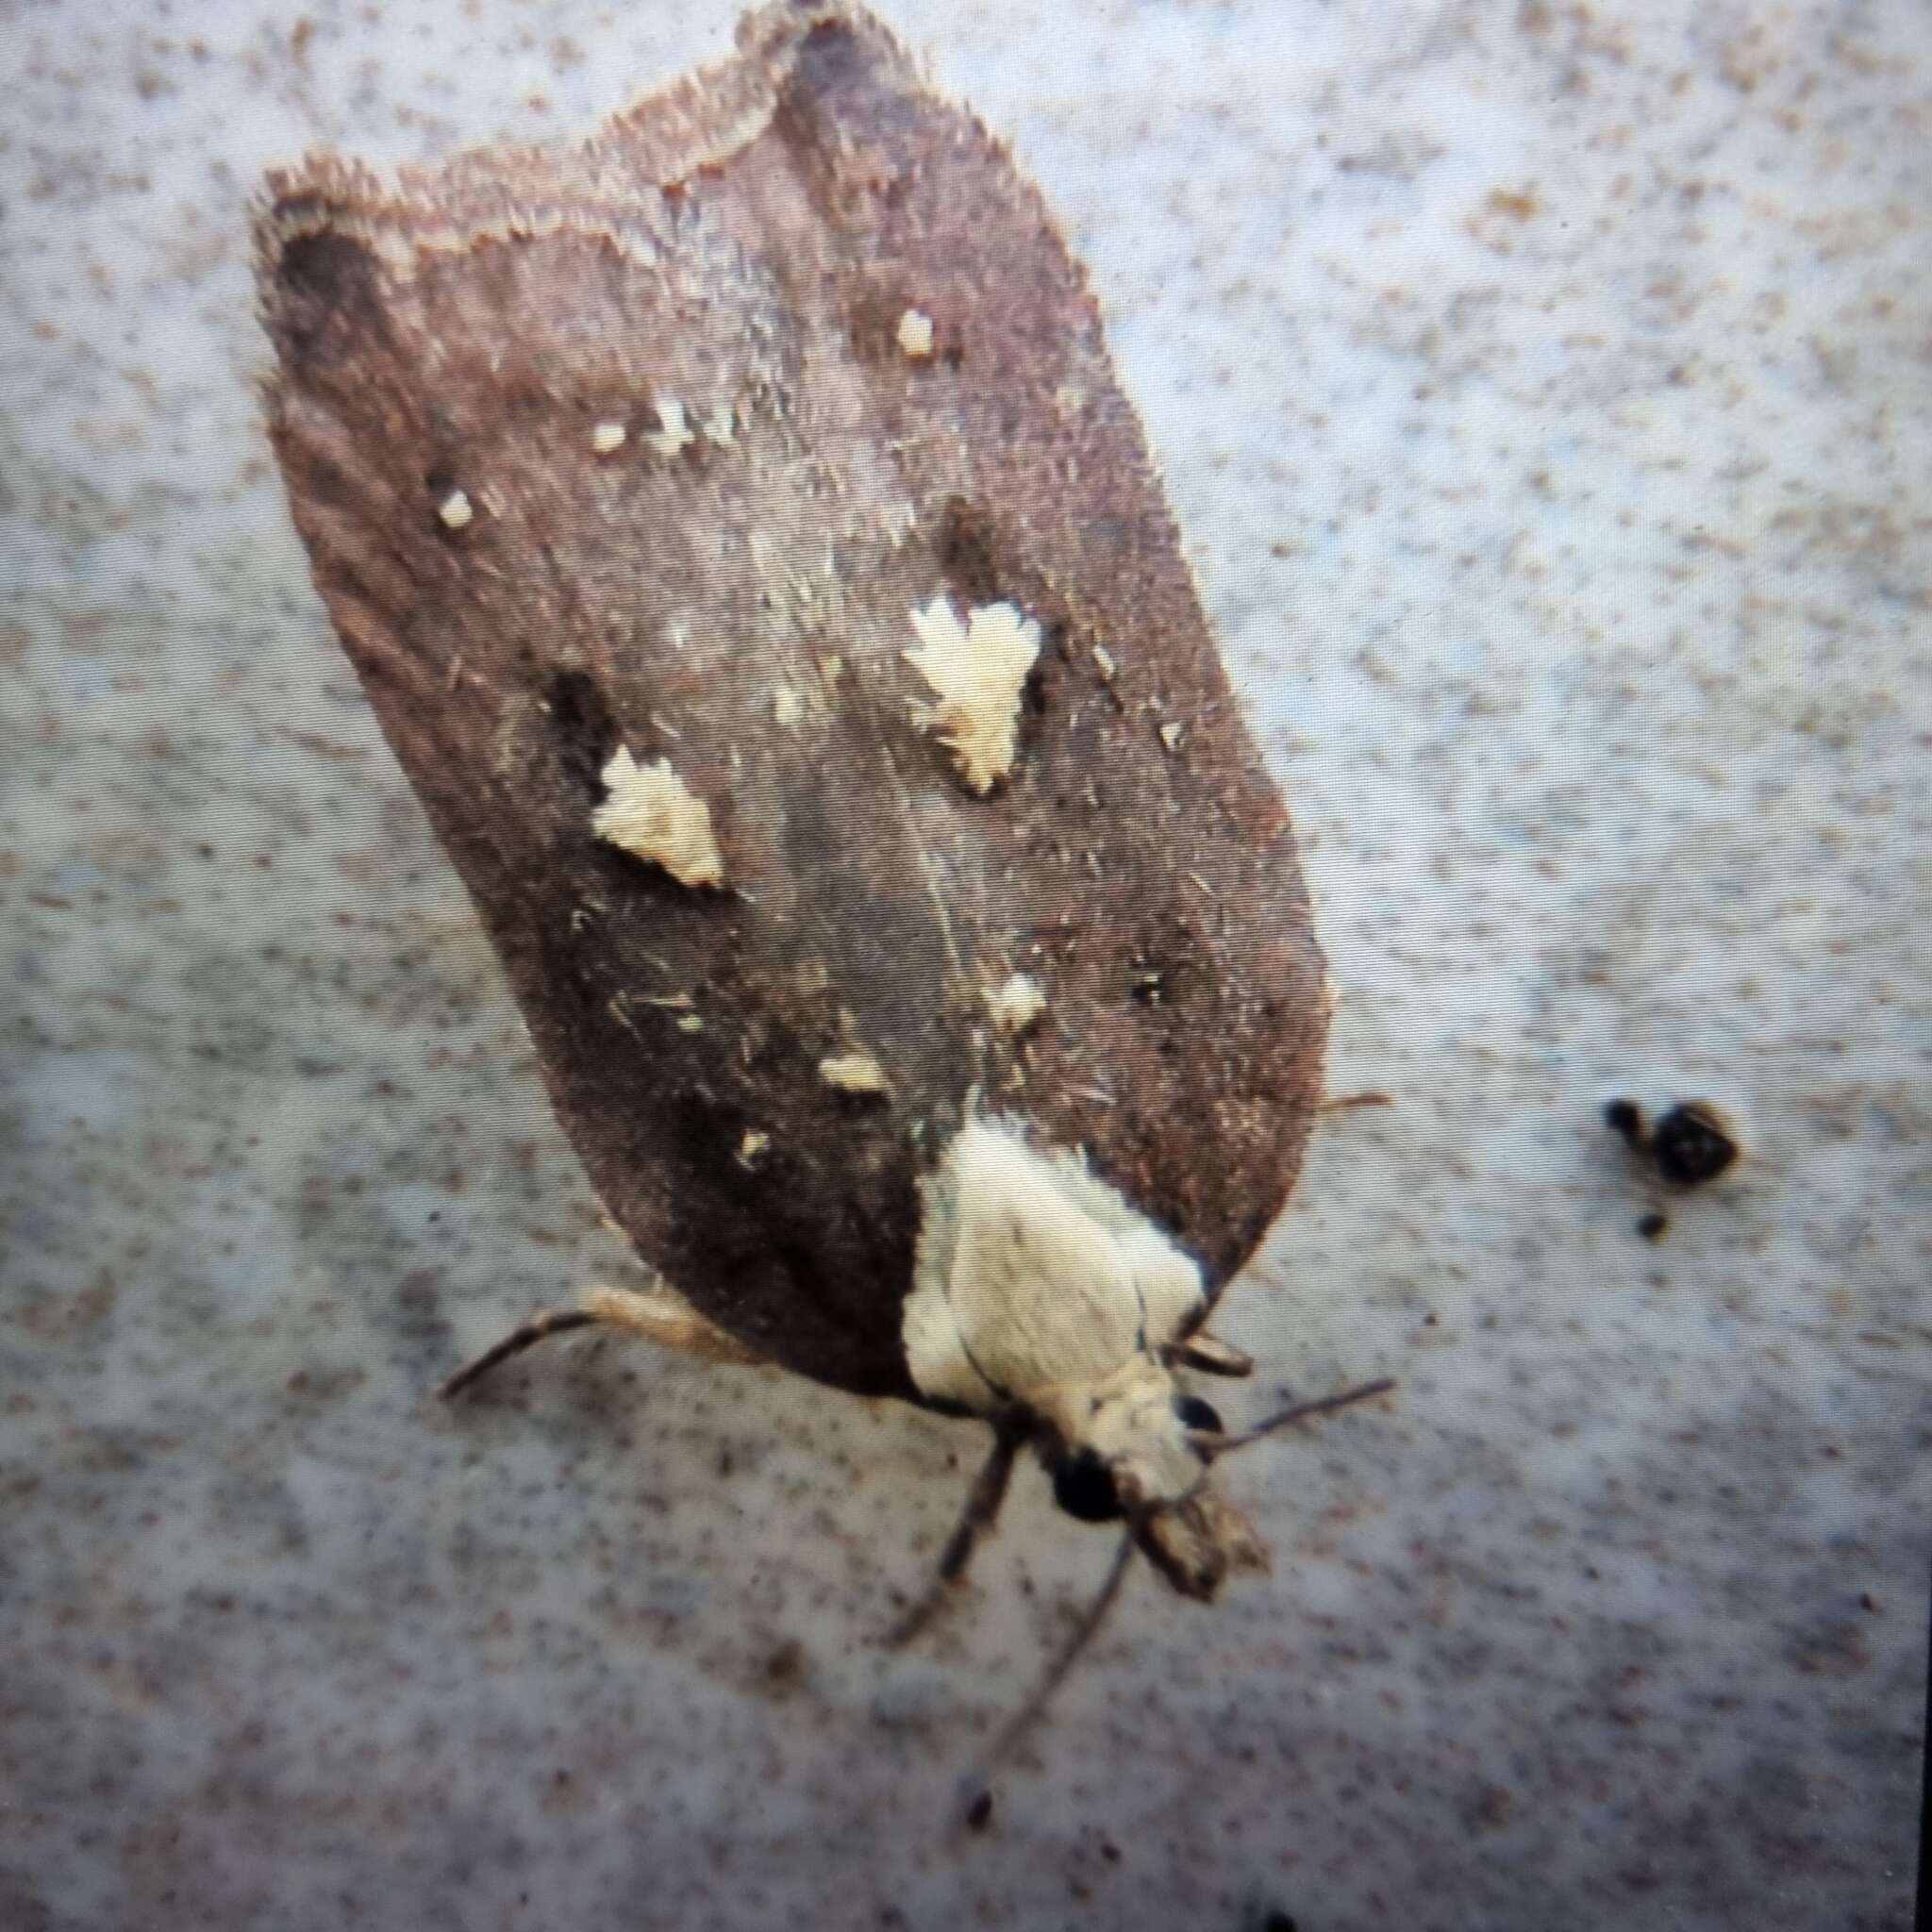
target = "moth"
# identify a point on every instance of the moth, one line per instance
(751, 558)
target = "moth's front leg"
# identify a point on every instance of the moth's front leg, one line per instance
(982, 1511)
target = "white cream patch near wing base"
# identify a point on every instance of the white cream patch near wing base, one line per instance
(1033, 1275)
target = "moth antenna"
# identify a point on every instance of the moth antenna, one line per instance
(982, 1511)
(1213, 1446)
(555, 1322)
(979, 1780)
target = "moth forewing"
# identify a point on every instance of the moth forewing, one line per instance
(744, 544)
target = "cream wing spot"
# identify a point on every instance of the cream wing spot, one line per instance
(672, 435)
(915, 333)
(856, 1072)
(977, 671)
(1016, 1003)
(653, 814)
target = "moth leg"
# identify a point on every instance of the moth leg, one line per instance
(1211, 1355)
(1030, 1713)
(667, 1319)
(662, 1317)
(1339, 1103)
(982, 1510)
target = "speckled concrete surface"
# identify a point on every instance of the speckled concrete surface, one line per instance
(1546, 392)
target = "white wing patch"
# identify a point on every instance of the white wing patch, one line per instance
(1016, 1003)
(653, 813)
(977, 670)
(915, 333)
(856, 1072)
(1032, 1272)
(672, 435)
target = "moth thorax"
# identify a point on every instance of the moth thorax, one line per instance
(1128, 1423)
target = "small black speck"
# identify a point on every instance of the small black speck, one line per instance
(1651, 1226)
(1868, 1602)
(1279, 1922)
(1690, 1145)
(786, 1665)
(979, 1813)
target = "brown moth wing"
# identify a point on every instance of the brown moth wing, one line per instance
(740, 604)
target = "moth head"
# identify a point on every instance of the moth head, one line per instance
(1135, 1449)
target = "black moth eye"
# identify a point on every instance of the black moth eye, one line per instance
(1196, 1414)
(1083, 1487)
